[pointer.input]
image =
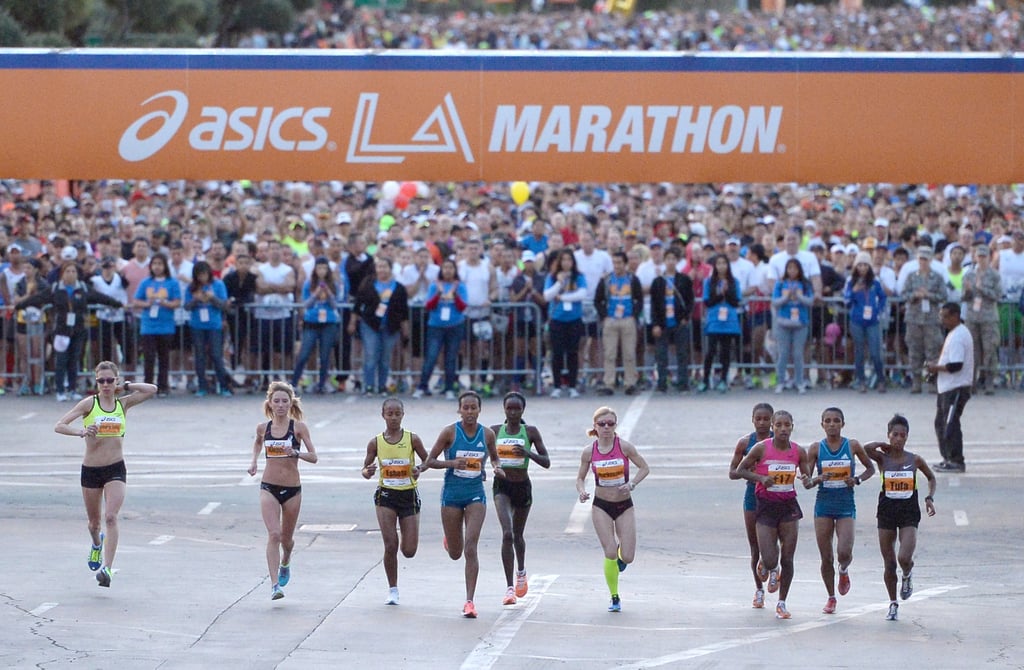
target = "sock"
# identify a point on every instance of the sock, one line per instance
(394, 590)
(782, 603)
(520, 572)
(611, 574)
(843, 571)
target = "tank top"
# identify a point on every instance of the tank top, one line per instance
(473, 449)
(751, 441)
(611, 469)
(395, 462)
(275, 447)
(783, 466)
(108, 424)
(506, 441)
(837, 464)
(899, 476)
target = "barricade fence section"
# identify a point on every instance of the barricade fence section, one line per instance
(509, 350)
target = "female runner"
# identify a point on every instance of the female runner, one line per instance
(762, 420)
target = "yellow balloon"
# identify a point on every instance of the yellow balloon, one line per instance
(520, 192)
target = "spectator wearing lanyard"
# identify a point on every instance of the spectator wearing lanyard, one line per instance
(205, 299)
(321, 295)
(381, 313)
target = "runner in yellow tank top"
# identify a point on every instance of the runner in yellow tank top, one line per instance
(391, 454)
(104, 476)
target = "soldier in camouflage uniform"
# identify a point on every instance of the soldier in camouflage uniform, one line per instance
(982, 289)
(924, 293)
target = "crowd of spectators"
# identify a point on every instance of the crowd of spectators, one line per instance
(262, 240)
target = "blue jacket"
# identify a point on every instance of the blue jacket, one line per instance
(866, 305)
(721, 313)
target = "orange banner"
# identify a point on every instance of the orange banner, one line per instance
(507, 116)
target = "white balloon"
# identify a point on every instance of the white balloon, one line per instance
(390, 190)
(422, 190)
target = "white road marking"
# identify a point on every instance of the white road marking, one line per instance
(163, 539)
(321, 424)
(45, 607)
(327, 527)
(206, 511)
(581, 510)
(496, 640)
(26, 417)
(960, 517)
(753, 638)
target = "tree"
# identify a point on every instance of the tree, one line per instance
(238, 17)
(11, 32)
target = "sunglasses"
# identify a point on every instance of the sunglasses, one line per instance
(106, 380)
(604, 424)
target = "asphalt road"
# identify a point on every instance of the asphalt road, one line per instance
(190, 589)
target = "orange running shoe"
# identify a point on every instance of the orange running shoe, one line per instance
(773, 581)
(521, 586)
(781, 612)
(469, 610)
(510, 597)
(830, 606)
(758, 602)
(762, 572)
(844, 583)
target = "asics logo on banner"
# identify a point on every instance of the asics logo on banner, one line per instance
(440, 133)
(220, 129)
(133, 148)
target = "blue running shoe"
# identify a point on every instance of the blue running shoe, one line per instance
(616, 606)
(96, 555)
(276, 593)
(284, 573)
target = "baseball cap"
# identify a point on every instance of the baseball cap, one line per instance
(14, 247)
(838, 249)
(68, 253)
(733, 240)
(654, 242)
(108, 262)
(870, 243)
(343, 217)
(882, 222)
(698, 229)
(924, 252)
(816, 243)
(528, 256)
(981, 250)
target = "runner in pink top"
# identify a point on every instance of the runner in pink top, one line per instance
(775, 465)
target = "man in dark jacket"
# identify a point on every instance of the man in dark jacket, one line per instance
(671, 306)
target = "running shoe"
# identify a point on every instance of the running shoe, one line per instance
(276, 593)
(521, 586)
(103, 576)
(616, 606)
(762, 572)
(773, 581)
(556, 393)
(96, 555)
(469, 610)
(830, 606)
(392, 596)
(449, 395)
(758, 602)
(702, 387)
(844, 583)
(906, 587)
(417, 394)
(510, 596)
(781, 612)
(284, 573)
(893, 612)
(76, 396)
(573, 393)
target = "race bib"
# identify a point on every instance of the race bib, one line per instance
(109, 426)
(277, 448)
(507, 454)
(784, 476)
(899, 484)
(396, 472)
(474, 464)
(610, 472)
(834, 474)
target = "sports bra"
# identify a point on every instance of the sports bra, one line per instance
(276, 447)
(108, 424)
